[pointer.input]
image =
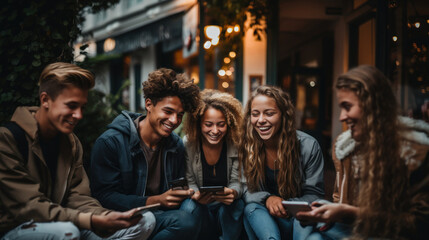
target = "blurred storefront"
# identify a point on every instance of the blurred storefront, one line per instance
(311, 42)
(135, 37)
(306, 46)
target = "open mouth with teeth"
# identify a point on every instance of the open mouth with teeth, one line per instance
(264, 130)
(71, 123)
(169, 127)
(215, 137)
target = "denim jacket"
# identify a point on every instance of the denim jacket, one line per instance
(119, 169)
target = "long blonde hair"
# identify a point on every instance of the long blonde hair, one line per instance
(251, 151)
(384, 175)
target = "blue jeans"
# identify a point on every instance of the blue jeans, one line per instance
(68, 231)
(337, 231)
(259, 224)
(175, 224)
(218, 219)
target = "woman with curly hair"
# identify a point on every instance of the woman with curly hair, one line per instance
(382, 161)
(280, 163)
(212, 134)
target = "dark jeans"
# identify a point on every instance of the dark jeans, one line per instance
(218, 219)
(175, 224)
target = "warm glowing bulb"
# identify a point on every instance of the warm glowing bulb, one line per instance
(417, 24)
(236, 28)
(395, 38)
(229, 30)
(232, 54)
(312, 84)
(207, 45)
(221, 72)
(109, 44)
(225, 85)
(212, 31)
(228, 73)
(215, 41)
(227, 60)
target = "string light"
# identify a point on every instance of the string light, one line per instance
(207, 44)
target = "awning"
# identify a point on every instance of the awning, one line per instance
(167, 30)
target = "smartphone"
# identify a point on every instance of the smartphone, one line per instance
(178, 184)
(212, 189)
(141, 210)
(294, 207)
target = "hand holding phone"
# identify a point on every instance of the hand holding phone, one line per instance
(178, 184)
(211, 189)
(293, 207)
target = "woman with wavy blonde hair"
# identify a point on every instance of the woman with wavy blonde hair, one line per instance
(212, 134)
(280, 163)
(381, 161)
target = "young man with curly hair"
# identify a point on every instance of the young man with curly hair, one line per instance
(134, 160)
(44, 191)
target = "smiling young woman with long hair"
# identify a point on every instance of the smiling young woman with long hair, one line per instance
(381, 162)
(280, 163)
(212, 134)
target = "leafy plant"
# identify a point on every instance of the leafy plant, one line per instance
(100, 111)
(34, 34)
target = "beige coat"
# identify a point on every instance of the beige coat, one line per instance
(26, 190)
(414, 151)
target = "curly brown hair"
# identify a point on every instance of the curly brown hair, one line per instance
(167, 83)
(382, 192)
(224, 102)
(251, 152)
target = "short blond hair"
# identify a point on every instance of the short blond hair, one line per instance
(57, 76)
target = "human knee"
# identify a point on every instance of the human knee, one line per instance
(147, 222)
(67, 230)
(250, 208)
(192, 207)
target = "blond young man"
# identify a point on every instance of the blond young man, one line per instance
(44, 191)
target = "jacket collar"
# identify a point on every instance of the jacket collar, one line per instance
(170, 143)
(24, 117)
(411, 129)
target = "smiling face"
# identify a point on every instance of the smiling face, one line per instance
(351, 112)
(165, 116)
(63, 113)
(265, 117)
(213, 126)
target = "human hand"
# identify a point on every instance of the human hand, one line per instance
(172, 198)
(275, 207)
(329, 213)
(106, 225)
(203, 198)
(226, 197)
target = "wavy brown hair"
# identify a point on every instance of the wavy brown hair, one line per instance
(167, 83)
(384, 175)
(224, 102)
(251, 150)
